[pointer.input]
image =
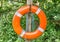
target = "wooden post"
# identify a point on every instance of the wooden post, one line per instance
(28, 20)
(28, 25)
(29, 2)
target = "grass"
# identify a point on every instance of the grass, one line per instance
(7, 34)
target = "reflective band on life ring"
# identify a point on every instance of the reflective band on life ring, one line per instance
(17, 26)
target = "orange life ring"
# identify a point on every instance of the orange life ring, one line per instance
(29, 35)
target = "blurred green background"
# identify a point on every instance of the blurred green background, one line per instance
(50, 7)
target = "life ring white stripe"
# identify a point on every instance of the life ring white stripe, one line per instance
(40, 29)
(22, 33)
(38, 10)
(18, 14)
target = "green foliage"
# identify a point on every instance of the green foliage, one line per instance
(50, 7)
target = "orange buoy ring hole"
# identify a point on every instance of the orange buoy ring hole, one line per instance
(17, 26)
